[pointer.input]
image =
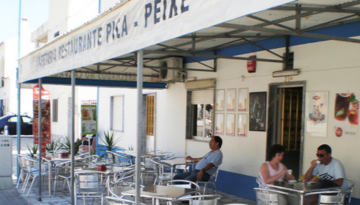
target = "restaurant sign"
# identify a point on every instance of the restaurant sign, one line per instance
(133, 26)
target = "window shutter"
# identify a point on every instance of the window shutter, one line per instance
(117, 113)
(202, 96)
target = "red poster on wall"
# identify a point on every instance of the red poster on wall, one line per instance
(45, 117)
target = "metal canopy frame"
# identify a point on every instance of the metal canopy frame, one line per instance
(301, 18)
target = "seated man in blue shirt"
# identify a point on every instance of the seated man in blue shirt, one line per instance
(207, 165)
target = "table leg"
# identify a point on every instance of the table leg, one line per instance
(172, 172)
(301, 199)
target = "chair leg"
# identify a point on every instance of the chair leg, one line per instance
(34, 179)
(55, 183)
(26, 182)
(19, 179)
(215, 188)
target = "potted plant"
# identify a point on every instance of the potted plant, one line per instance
(32, 150)
(109, 142)
(54, 145)
(67, 145)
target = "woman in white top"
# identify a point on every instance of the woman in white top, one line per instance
(273, 170)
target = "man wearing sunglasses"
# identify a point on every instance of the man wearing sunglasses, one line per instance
(329, 168)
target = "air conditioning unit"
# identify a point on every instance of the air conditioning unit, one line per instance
(172, 75)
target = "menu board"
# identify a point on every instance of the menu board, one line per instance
(88, 119)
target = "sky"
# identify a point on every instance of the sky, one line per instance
(36, 11)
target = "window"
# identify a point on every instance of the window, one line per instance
(117, 113)
(55, 110)
(150, 117)
(200, 113)
(12, 119)
(26, 120)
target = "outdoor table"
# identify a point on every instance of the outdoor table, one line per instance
(132, 153)
(178, 161)
(302, 189)
(168, 193)
(51, 161)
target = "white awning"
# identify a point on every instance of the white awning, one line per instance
(133, 26)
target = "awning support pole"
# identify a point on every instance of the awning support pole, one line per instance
(18, 129)
(72, 135)
(139, 114)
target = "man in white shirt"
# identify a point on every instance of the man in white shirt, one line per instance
(207, 165)
(327, 168)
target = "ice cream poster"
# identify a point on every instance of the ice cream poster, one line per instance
(346, 112)
(316, 113)
(219, 125)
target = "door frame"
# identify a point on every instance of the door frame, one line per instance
(274, 116)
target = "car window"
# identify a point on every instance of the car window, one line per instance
(12, 119)
(26, 119)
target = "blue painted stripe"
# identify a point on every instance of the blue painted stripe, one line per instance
(347, 30)
(101, 83)
(237, 184)
(243, 185)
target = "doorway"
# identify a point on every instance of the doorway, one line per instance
(286, 110)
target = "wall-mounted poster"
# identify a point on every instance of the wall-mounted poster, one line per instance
(220, 100)
(242, 99)
(230, 99)
(230, 124)
(346, 112)
(316, 113)
(241, 125)
(257, 111)
(219, 125)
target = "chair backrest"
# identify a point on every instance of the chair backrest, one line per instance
(122, 160)
(202, 199)
(348, 191)
(158, 167)
(215, 175)
(116, 201)
(331, 199)
(110, 156)
(87, 182)
(183, 184)
(120, 186)
(29, 163)
(147, 163)
(264, 196)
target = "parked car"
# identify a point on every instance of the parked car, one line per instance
(11, 120)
